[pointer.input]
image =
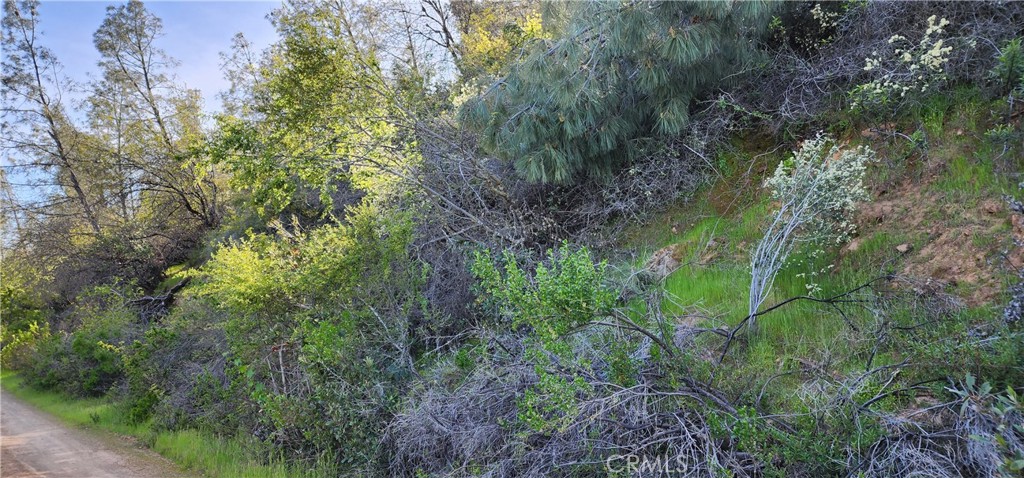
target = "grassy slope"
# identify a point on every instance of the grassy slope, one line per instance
(943, 184)
(204, 453)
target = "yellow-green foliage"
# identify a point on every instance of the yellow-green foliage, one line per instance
(559, 298)
(270, 285)
(297, 269)
(567, 292)
(334, 303)
(22, 318)
(244, 275)
(20, 345)
(324, 109)
(492, 34)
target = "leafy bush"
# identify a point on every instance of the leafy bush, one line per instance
(318, 328)
(86, 360)
(19, 307)
(561, 297)
(20, 346)
(24, 315)
(567, 292)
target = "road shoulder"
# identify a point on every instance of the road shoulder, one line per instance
(35, 443)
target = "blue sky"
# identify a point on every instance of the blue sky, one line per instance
(194, 33)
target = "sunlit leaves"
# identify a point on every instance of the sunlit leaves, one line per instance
(323, 114)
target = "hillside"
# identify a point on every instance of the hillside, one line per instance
(575, 239)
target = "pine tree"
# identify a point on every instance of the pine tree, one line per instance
(613, 72)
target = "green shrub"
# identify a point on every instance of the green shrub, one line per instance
(20, 308)
(1008, 74)
(568, 291)
(560, 297)
(86, 360)
(23, 318)
(145, 378)
(318, 329)
(20, 346)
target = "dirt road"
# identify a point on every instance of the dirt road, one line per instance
(34, 444)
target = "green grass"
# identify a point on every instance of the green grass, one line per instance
(92, 413)
(804, 332)
(721, 288)
(955, 125)
(967, 179)
(196, 451)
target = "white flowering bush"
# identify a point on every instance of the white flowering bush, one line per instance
(906, 71)
(817, 191)
(828, 182)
